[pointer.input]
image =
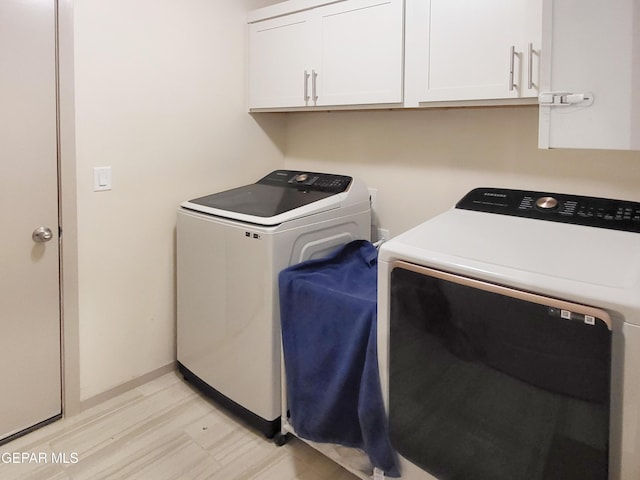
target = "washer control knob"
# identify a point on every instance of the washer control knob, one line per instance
(302, 177)
(546, 203)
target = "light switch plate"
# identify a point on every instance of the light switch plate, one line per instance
(101, 179)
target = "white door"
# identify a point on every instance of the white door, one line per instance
(29, 272)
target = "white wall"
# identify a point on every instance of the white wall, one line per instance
(423, 161)
(160, 97)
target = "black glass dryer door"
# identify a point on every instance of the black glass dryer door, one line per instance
(490, 383)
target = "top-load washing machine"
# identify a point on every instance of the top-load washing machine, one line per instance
(230, 248)
(509, 339)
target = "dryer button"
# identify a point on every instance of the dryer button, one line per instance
(546, 203)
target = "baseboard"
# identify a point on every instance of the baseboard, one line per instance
(122, 388)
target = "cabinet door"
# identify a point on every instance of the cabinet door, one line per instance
(281, 50)
(593, 50)
(477, 50)
(361, 53)
(530, 44)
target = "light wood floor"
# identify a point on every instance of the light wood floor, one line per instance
(160, 431)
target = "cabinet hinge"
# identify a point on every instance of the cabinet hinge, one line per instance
(565, 99)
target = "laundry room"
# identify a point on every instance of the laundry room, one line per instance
(157, 93)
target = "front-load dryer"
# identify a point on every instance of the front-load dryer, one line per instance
(509, 339)
(230, 248)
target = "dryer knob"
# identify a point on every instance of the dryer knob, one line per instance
(302, 177)
(546, 203)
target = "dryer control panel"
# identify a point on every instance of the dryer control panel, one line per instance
(324, 182)
(555, 207)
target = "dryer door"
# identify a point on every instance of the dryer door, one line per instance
(491, 383)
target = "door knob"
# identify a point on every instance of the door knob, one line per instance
(42, 234)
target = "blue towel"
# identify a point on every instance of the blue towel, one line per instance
(328, 313)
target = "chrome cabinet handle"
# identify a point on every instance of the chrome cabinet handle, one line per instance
(314, 85)
(530, 83)
(306, 86)
(512, 57)
(42, 234)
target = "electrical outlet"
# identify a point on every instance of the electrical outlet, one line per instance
(373, 201)
(373, 197)
(382, 234)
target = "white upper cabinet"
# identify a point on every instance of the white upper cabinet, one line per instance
(577, 59)
(281, 55)
(361, 53)
(459, 50)
(344, 53)
(590, 94)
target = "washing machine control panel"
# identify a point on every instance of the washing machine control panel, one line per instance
(324, 182)
(556, 207)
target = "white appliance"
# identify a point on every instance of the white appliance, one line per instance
(230, 248)
(509, 339)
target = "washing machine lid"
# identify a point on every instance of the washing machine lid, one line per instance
(581, 248)
(281, 196)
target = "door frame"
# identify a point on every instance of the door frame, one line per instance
(68, 218)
